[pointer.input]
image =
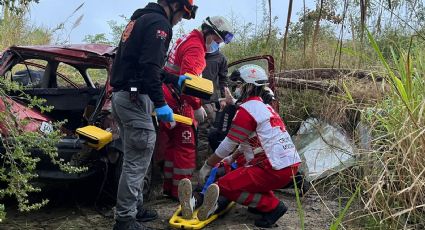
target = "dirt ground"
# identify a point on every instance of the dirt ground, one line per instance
(71, 210)
(74, 208)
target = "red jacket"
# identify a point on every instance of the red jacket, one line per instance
(186, 56)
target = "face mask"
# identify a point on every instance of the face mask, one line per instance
(213, 47)
(238, 93)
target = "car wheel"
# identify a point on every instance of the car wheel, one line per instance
(146, 182)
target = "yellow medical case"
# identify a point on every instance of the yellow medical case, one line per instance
(94, 136)
(198, 87)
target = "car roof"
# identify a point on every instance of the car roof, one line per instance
(78, 50)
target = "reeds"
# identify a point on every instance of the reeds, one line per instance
(394, 180)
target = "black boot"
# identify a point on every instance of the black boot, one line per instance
(254, 211)
(129, 225)
(269, 219)
(302, 184)
(145, 215)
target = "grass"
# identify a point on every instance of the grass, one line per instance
(390, 172)
(394, 182)
(17, 30)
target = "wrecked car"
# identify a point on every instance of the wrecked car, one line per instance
(74, 80)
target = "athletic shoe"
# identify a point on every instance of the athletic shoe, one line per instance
(187, 201)
(209, 205)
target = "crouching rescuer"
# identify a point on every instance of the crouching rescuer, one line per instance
(270, 159)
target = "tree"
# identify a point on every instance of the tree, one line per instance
(14, 6)
(116, 31)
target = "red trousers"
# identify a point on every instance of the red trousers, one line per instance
(253, 185)
(178, 143)
(180, 155)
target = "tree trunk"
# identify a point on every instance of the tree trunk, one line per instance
(270, 22)
(6, 10)
(315, 33)
(305, 37)
(285, 38)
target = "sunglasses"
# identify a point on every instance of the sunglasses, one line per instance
(190, 12)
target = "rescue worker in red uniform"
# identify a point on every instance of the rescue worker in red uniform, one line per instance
(187, 56)
(270, 155)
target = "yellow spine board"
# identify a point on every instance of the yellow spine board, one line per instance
(177, 220)
(182, 119)
(95, 136)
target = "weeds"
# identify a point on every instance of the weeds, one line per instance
(394, 183)
(17, 31)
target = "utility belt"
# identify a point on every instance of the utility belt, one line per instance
(139, 90)
(134, 91)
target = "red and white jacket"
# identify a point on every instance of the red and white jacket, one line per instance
(259, 130)
(186, 56)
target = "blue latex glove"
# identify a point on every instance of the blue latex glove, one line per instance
(164, 113)
(182, 78)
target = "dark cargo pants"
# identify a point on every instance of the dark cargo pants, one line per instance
(138, 136)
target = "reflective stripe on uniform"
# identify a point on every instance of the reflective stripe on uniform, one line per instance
(183, 171)
(255, 200)
(241, 199)
(241, 129)
(168, 175)
(237, 135)
(254, 203)
(173, 67)
(168, 164)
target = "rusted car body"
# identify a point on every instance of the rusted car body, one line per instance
(61, 75)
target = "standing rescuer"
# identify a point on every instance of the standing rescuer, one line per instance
(216, 71)
(137, 79)
(187, 56)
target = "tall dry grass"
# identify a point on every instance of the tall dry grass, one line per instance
(394, 172)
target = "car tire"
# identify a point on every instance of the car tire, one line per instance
(147, 182)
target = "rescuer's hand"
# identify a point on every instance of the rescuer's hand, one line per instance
(204, 172)
(200, 114)
(182, 78)
(164, 113)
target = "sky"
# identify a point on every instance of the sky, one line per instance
(96, 13)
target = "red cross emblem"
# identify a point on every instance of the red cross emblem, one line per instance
(186, 135)
(253, 73)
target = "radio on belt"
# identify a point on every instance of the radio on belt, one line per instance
(198, 87)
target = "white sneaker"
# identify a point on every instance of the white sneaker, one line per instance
(187, 201)
(210, 202)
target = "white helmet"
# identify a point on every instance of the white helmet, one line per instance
(253, 74)
(221, 26)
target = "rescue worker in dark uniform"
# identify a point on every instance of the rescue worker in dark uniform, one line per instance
(216, 71)
(137, 93)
